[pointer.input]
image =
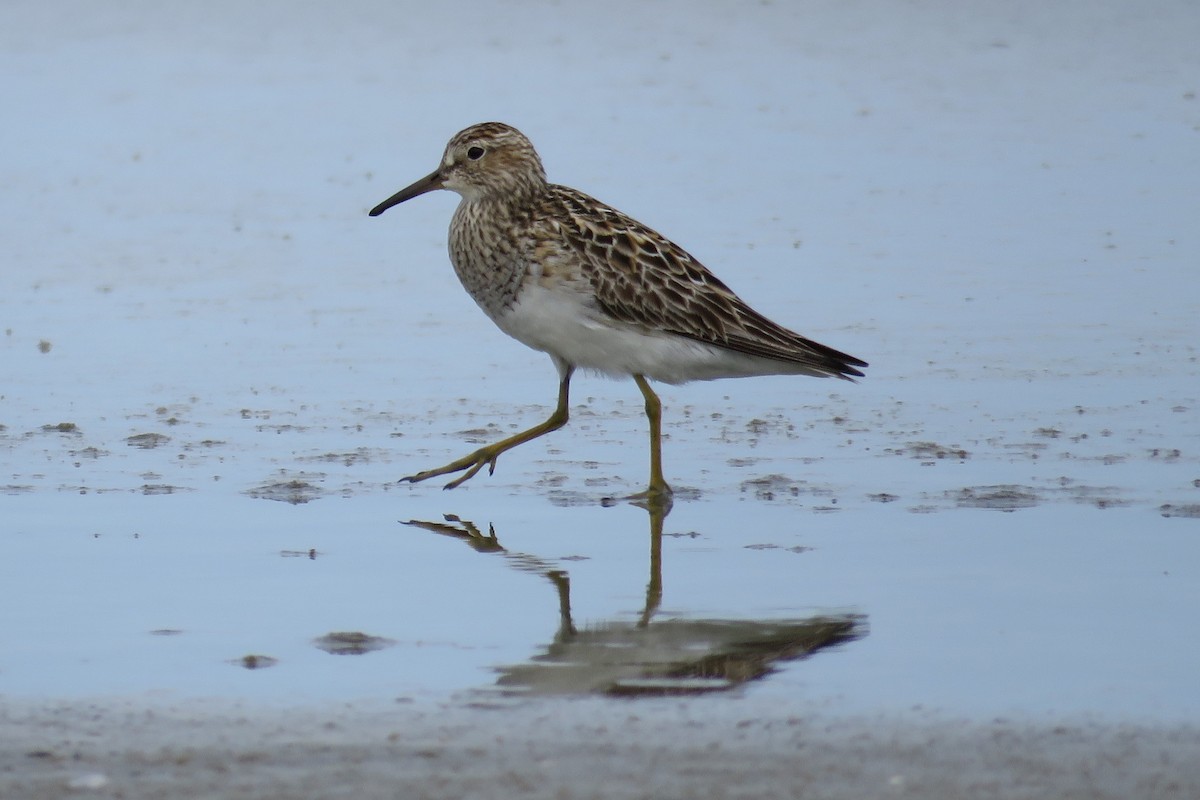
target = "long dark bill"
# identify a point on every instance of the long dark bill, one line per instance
(427, 184)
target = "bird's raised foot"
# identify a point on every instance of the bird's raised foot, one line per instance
(472, 463)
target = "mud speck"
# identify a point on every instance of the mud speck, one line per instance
(565, 498)
(769, 487)
(742, 462)
(296, 491)
(1003, 497)
(310, 554)
(147, 441)
(254, 661)
(1187, 511)
(930, 451)
(362, 455)
(1099, 496)
(161, 488)
(351, 643)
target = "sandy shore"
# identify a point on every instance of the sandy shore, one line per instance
(575, 749)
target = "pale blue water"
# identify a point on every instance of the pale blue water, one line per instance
(999, 217)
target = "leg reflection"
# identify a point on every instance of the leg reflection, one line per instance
(678, 655)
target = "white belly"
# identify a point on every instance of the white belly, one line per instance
(562, 324)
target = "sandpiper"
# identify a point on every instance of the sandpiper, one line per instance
(593, 288)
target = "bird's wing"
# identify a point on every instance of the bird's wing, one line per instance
(643, 278)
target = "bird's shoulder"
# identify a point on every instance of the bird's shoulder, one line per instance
(637, 275)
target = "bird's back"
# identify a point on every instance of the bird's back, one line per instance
(641, 278)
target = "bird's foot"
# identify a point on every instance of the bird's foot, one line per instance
(472, 463)
(658, 496)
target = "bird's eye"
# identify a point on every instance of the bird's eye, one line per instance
(475, 153)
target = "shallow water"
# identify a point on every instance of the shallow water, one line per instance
(1047, 598)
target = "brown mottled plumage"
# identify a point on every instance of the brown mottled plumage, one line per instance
(570, 276)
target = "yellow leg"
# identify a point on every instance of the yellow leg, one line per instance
(658, 492)
(654, 588)
(487, 455)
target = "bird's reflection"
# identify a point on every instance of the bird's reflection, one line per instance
(650, 656)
